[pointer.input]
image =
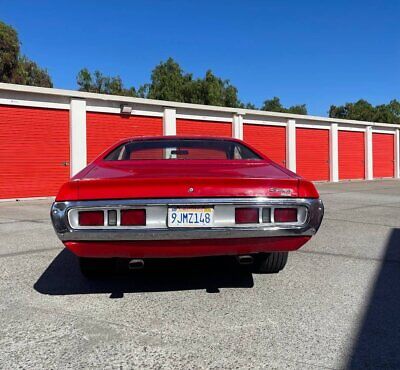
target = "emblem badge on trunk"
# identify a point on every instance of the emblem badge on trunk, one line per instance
(190, 190)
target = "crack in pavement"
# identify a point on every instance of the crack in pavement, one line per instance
(43, 221)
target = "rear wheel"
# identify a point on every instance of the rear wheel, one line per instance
(270, 263)
(95, 267)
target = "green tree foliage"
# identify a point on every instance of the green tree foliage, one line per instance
(168, 82)
(9, 52)
(275, 105)
(98, 83)
(17, 68)
(364, 111)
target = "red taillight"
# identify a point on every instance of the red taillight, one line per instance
(91, 218)
(246, 215)
(285, 215)
(133, 217)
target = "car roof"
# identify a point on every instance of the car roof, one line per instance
(186, 137)
(178, 137)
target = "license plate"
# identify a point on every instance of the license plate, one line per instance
(190, 217)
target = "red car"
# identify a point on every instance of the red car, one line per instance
(185, 196)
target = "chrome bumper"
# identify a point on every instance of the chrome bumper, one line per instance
(62, 215)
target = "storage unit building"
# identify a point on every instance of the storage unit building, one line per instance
(48, 135)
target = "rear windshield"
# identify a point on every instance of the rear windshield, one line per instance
(181, 149)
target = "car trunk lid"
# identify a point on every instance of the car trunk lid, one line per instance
(181, 179)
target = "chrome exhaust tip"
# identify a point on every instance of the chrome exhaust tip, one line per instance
(136, 264)
(245, 259)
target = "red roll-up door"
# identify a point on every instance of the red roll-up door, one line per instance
(351, 155)
(206, 128)
(312, 152)
(270, 140)
(104, 130)
(34, 151)
(383, 155)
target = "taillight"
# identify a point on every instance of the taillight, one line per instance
(246, 215)
(91, 218)
(133, 217)
(285, 215)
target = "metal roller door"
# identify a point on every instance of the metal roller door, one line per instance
(207, 128)
(383, 155)
(351, 155)
(312, 153)
(104, 130)
(270, 140)
(34, 151)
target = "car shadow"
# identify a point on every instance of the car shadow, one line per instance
(378, 342)
(62, 276)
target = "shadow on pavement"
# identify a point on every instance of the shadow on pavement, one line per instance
(63, 277)
(378, 342)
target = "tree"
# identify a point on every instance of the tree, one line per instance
(217, 91)
(275, 105)
(9, 52)
(168, 82)
(98, 83)
(17, 68)
(249, 106)
(29, 73)
(362, 110)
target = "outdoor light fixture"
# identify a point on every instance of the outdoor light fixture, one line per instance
(126, 109)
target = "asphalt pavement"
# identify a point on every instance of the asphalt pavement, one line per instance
(336, 305)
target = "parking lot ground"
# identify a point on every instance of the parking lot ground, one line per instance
(336, 305)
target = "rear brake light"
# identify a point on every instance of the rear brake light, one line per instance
(91, 218)
(246, 215)
(285, 215)
(133, 217)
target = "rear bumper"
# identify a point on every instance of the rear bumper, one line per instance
(158, 240)
(185, 248)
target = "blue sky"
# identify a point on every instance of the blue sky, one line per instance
(314, 52)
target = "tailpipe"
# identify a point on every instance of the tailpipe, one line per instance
(136, 264)
(245, 259)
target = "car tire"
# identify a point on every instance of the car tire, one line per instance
(270, 263)
(95, 267)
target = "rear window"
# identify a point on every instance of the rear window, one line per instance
(180, 150)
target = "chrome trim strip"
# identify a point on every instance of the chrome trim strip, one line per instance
(60, 217)
(188, 201)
